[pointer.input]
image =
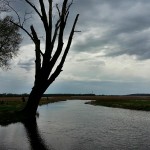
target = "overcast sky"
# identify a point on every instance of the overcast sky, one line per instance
(110, 56)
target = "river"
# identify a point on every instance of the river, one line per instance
(73, 125)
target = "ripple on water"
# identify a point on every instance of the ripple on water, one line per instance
(72, 125)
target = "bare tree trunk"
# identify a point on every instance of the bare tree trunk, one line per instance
(33, 101)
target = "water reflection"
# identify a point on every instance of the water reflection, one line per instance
(26, 132)
(34, 137)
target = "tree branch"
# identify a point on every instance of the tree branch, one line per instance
(15, 12)
(44, 16)
(60, 39)
(25, 19)
(21, 27)
(34, 34)
(50, 17)
(41, 53)
(61, 32)
(54, 36)
(69, 6)
(36, 10)
(59, 67)
(69, 42)
(19, 24)
(37, 52)
(58, 10)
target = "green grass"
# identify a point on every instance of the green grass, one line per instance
(8, 111)
(17, 104)
(127, 104)
(10, 107)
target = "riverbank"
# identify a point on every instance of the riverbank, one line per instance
(126, 102)
(9, 105)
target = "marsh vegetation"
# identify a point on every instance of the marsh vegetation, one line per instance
(9, 106)
(127, 102)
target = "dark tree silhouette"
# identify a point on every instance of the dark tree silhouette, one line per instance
(9, 41)
(46, 70)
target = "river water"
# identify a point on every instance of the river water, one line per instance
(73, 125)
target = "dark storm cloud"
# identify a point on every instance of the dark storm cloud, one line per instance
(123, 26)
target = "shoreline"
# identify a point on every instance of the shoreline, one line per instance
(9, 107)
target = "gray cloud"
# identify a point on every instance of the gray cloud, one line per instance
(104, 87)
(116, 24)
(123, 26)
(26, 64)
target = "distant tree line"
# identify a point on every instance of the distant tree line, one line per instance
(44, 95)
(13, 95)
(138, 94)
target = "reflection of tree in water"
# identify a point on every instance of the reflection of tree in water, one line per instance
(31, 128)
(36, 141)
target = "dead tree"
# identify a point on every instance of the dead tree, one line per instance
(45, 61)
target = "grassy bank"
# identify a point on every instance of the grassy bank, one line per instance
(10, 105)
(17, 103)
(127, 102)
